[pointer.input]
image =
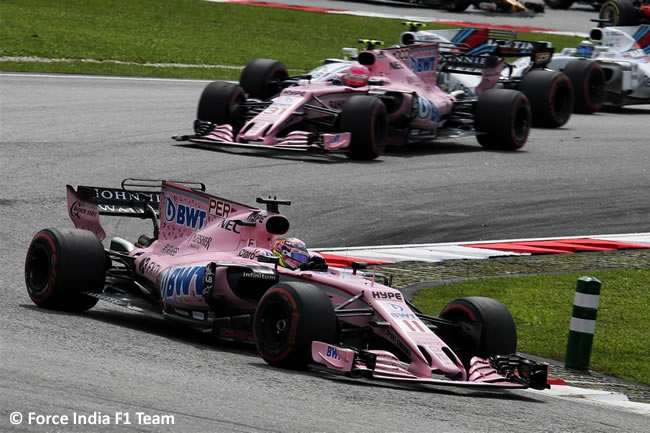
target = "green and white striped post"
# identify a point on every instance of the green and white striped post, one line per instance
(583, 323)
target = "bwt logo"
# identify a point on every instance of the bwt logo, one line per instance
(427, 110)
(179, 281)
(396, 307)
(403, 315)
(422, 64)
(184, 215)
(333, 353)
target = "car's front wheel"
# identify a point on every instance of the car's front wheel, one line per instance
(619, 13)
(61, 265)
(364, 117)
(489, 328)
(222, 103)
(288, 318)
(262, 78)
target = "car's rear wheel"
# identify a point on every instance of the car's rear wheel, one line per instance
(490, 329)
(588, 79)
(365, 118)
(221, 103)
(559, 4)
(503, 119)
(288, 318)
(60, 265)
(456, 5)
(619, 13)
(550, 94)
(262, 78)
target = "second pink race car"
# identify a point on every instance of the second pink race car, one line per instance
(389, 97)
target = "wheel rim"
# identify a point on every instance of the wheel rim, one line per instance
(609, 13)
(562, 102)
(237, 112)
(274, 81)
(521, 124)
(38, 270)
(595, 87)
(464, 346)
(276, 325)
(379, 132)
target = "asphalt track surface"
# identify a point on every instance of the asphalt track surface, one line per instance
(590, 177)
(575, 19)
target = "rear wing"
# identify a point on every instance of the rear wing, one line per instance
(481, 42)
(138, 198)
(539, 52)
(129, 200)
(466, 63)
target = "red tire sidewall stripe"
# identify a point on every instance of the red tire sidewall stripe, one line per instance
(295, 317)
(551, 95)
(513, 119)
(591, 104)
(463, 308)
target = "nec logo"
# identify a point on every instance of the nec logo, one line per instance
(184, 215)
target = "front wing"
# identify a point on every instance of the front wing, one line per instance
(504, 372)
(215, 136)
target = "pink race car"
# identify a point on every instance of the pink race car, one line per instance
(226, 268)
(390, 97)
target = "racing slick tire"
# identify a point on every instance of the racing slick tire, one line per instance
(60, 265)
(494, 331)
(550, 94)
(588, 80)
(262, 78)
(221, 103)
(619, 13)
(503, 117)
(365, 118)
(288, 318)
(456, 5)
(559, 4)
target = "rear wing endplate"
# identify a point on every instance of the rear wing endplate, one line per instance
(136, 198)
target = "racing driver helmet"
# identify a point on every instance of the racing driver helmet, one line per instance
(585, 49)
(292, 252)
(356, 76)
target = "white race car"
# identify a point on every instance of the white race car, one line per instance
(624, 54)
(553, 92)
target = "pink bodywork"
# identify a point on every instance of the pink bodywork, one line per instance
(197, 228)
(409, 70)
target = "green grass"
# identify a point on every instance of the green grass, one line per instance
(541, 307)
(181, 31)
